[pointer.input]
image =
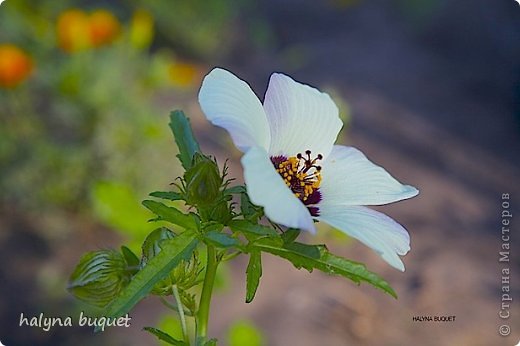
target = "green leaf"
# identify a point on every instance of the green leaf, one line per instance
(211, 342)
(235, 190)
(152, 245)
(130, 257)
(253, 274)
(317, 256)
(170, 195)
(290, 235)
(164, 336)
(247, 227)
(250, 211)
(173, 252)
(170, 214)
(186, 142)
(220, 239)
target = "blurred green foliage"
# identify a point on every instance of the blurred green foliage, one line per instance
(77, 134)
(243, 332)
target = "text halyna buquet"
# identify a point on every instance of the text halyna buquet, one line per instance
(48, 322)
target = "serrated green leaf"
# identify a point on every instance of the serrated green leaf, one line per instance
(222, 240)
(164, 336)
(130, 257)
(170, 214)
(173, 252)
(186, 142)
(211, 342)
(318, 257)
(247, 227)
(169, 195)
(253, 274)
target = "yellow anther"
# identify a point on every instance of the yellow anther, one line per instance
(307, 176)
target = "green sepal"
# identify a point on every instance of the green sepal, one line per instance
(131, 258)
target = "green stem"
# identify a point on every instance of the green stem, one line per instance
(180, 309)
(205, 297)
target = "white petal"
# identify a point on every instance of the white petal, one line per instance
(374, 229)
(230, 103)
(349, 178)
(300, 117)
(266, 188)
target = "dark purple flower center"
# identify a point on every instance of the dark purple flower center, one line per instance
(302, 175)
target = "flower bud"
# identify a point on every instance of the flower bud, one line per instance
(99, 277)
(203, 182)
(152, 244)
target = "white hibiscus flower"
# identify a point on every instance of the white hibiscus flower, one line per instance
(292, 167)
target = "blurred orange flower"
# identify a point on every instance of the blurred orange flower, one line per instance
(104, 27)
(73, 31)
(184, 74)
(15, 66)
(79, 31)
